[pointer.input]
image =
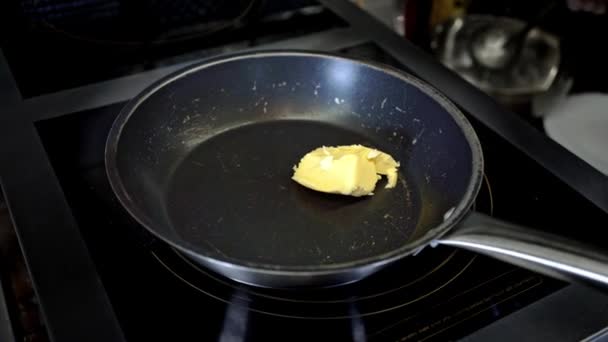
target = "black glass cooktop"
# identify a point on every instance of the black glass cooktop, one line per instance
(50, 49)
(441, 293)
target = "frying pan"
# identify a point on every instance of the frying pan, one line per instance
(203, 159)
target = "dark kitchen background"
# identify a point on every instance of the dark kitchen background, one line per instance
(74, 64)
(49, 38)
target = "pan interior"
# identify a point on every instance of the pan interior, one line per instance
(233, 194)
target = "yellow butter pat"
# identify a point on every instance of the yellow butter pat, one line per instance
(348, 170)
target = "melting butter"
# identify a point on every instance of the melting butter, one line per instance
(348, 170)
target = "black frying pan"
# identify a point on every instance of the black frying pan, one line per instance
(203, 159)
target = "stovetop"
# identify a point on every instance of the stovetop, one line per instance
(440, 293)
(145, 290)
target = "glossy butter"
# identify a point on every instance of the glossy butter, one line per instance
(348, 170)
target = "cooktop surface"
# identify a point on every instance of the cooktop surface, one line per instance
(441, 293)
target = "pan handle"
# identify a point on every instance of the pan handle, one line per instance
(540, 251)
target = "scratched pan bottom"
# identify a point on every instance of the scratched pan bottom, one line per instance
(233, 196)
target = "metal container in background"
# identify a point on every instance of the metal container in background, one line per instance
(469, 45)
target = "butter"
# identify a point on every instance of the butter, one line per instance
(348, 170)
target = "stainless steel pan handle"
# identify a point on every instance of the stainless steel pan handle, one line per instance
(539, 251)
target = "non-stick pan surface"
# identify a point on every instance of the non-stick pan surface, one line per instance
(204, 160)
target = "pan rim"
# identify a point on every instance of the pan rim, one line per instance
(432, 234)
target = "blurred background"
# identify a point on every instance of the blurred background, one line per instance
(545, 60)
(555, 46)
(564, 42)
